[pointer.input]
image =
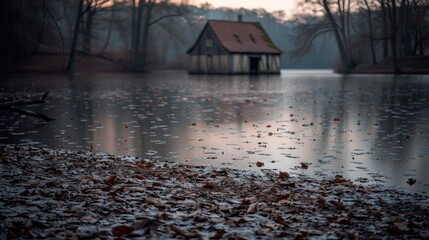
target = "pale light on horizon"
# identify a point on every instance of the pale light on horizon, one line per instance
(288, 6)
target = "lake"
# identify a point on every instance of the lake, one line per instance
(369, 128)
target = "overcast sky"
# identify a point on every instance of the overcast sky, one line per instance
(269, 5)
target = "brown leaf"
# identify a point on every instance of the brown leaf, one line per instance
(284, 175)
(321, 201)
(339, 180)
(150, 200)
(397, 228)
(218, 235)
(141, 177)
(259, 164)
(177, 231)
(304, 165)
(110, 180)
(106, 188)
(343, 220)
(280, 221)
(208, 185)
(32, 182)
(121, 230)
(252, 208)
(119, 189)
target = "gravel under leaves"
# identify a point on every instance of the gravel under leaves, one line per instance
(62, 194)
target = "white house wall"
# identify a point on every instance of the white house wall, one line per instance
(209, 64)
(233, 63)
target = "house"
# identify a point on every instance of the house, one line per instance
(234, 47)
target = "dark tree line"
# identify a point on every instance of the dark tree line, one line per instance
(136, 34)
(384, 28)
(24, 26)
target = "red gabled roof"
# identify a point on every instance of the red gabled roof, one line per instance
(242, 37)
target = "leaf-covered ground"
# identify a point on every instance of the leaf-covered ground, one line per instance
(83, 195)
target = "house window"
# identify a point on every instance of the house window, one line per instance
(209, 42)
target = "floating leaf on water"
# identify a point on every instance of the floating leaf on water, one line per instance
(259, 164)
(411, 181)
(304, 165)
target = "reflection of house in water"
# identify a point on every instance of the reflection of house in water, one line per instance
(228, 47)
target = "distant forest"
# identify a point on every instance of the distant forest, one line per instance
(152, 34)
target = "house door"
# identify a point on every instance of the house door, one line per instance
(254, 65)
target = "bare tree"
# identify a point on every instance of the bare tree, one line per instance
(371, 32)
(392, 11)
(341, 41)
(72, 53)
(146, 17)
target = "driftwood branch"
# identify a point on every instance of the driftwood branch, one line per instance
(11, 106)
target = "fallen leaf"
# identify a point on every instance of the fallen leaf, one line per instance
(284, 175)
(343, 220)
(339, 180)
(252, 208)
(208, 185)
(110, 180)
(218, 235)
(88, 219)
(321, 201)
(259, 164)
(397, 228)
(141, 177)
(150, 200)
(121, 230)
(280, 220)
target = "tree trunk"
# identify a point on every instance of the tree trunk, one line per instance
(135, 60)
(109, 32)
(406, 31)
(400, 29)
(133, 28)
(88, 31)
(349, 47)
(393, 35)
(75, 37)
(340, 44)
(385, 28)
(371, 33)
(145, 36)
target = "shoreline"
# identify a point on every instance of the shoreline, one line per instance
(50, 193)
(408, 65)
(54, 64)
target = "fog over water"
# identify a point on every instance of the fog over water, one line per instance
(368, 128)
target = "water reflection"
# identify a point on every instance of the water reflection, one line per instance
(373, 127)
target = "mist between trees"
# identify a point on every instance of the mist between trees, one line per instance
(150, 34)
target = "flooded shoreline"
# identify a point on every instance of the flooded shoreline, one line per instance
(368, 128)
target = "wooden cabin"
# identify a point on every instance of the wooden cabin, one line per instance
(234, 47)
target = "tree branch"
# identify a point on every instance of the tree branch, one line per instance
(162, 17)
(10, 106)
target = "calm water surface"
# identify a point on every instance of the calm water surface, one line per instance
(364, 127)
